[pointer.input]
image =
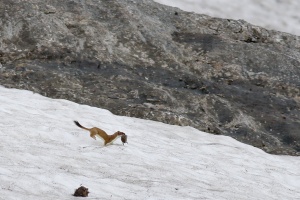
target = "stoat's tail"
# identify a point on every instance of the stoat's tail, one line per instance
(77, 123)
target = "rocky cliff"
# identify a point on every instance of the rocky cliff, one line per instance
(142, 59)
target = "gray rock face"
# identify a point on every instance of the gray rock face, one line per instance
(142, 59)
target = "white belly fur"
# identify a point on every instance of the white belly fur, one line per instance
(109, 142)
(114, 140)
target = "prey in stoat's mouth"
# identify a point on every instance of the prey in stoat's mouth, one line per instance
(124, 139)
(101, 133)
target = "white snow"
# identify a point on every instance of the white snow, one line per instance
(281, 15)
(45, 156)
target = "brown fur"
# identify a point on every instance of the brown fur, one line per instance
(101, 133)
(124, 139)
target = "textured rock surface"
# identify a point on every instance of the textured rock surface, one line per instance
(272, 14)
(141, 59)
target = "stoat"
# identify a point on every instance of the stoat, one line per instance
(99, 132)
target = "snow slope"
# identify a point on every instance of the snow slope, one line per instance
(45, 156)
(281, 15)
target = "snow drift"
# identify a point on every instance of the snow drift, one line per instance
(45, 156)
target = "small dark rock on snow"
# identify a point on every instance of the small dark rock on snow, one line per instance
(81, 192)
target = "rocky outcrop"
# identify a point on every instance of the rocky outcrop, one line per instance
(142, 59)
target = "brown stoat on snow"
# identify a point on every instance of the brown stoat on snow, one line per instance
(102, 134)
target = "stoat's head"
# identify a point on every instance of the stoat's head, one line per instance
(120, 133)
